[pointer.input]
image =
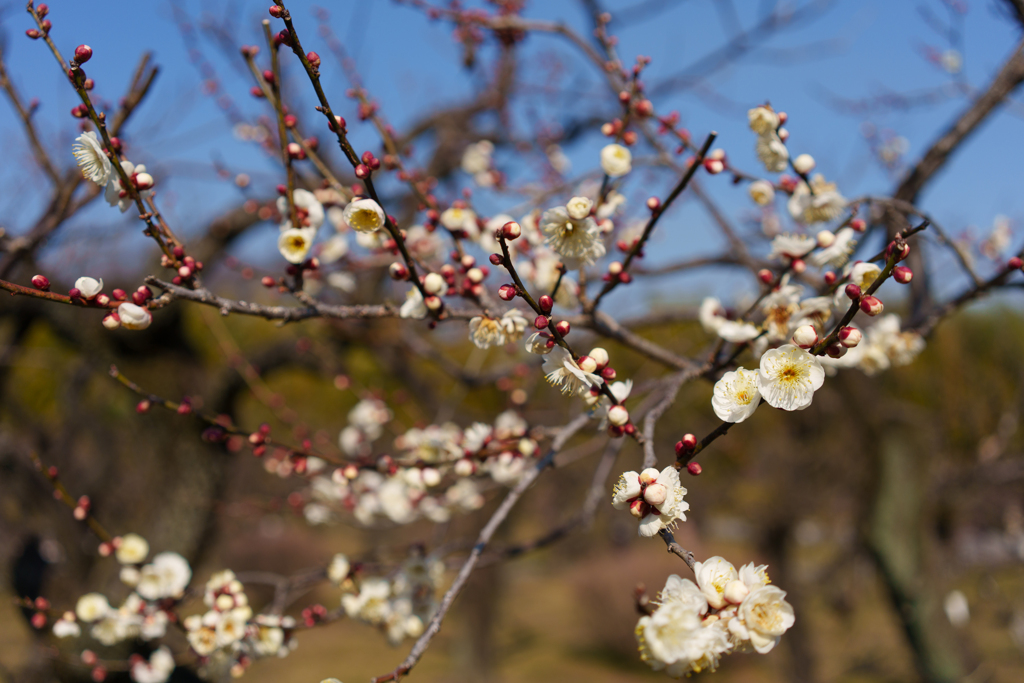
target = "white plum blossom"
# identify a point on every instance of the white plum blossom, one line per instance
(540, 343)
(762, 192)
(338, 569)
(364, 215)
(92, 607)
(413, 306)
(712, 318)
(864, 274)
(762, 618)
(655, 498)
(295, 243)
(157, 670)
(115, 192)
(792, 246)
(166, 576)
(308, 208)
(616, 160)
(66, 626)
(772, 152)
(134, 317)
(563, 372)
(579, 207)
(676, 638)
(838, 252)
(578, 241)
(485, 332)
(89, 287)
(91, 158)
(713, 575)
(788, 377)
(476, 160)
(459, 218)
(371, 603)
(132, 549)
(824, 205)
(736, 395)
(762, 120)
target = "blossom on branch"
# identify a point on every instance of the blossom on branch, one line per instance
(736, 395)
(655, 498)
(92, 158)
(788, 377)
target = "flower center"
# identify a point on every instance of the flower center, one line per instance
(365, 219)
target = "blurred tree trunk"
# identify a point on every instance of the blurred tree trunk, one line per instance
(895, 538)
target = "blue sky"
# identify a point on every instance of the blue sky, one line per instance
(853, 50)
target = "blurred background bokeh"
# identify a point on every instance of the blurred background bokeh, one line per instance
(892, 510)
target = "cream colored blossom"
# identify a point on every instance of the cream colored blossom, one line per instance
(91, 158)
(577, 241)
(763, 616)
(579, 207)
(413, 306)
(824, 205)
(309, 210)
(838, 252)
(364, 215)
(655, 498)
(788, 377)
(736, 395)
(563, 372)
(616, 160)
(762, 120)
(772, 152)
(133, 549)
(762, 192)
(486, 332)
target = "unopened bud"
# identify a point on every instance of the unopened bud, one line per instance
(656, 494)
(805, 336)
(41, 282)
(735, 591)
(852, 292)
(83, 53)
(871, 305)
(313, 59)
(798, 265)
(112, 321)
(546, 303)
(608, 373)
(826, 238)
(599, 355)
(636, 508)
(540, 322)
(694, 468)
(653, 203)
(830, 278)
(765, 276)
(714, 166)
(507, 292)
(804, 164)
(858, 224)
(902, 274)
(562, 327)
(434, 283)
(850, 337)
(362, 171)
(618, 416)
(836, 351)
(1014, 263)
(276, 11)
(464, 467)
(587, 364)
(686, 444)
(511, 230)
(398, 271)
(433, 303)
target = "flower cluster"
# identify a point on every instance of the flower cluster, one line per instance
(653, 497)
(400, 605)
(725, 611)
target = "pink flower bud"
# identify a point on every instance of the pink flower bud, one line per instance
(276, 11)
(714, 166)
(836, 350)
(638, 509)
(74, 292)
(858, 225)
(587, 364)
(398, 271)
(826, 238)
(268, 281)
(313, 59)
(33, 33)
(902, 274)
(102, 299)
(830, 278)
(511, 230)
(111, 321)
(629, 137)
(653, 203)
(1014, 263)
(83, 53)
(608, 373)
(798, 265)
(362, 171)
(850, 337)
(433, 303)
(540, 322)
(41, 282)
(339, 124)
(871, 305)
(852, 292)
(546, 303)
(562, 327)
(185, 272)
(805, 336)
(143, 406)
(507, 292)
(765, 276)
(686, 444)
(694, 468)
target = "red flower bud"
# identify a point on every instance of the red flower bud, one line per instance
(871, 305)
(830, 278)
(1015, 263)
(507, 292)
(694, 468)
(546, 303)
(495, 259)
(41, 282)
(608, 373)
(562, 327)
(276, 10)
(852, 292)
(362, 171)
(511, 230)
(540, 322)
(83, 53)
(313, 59)
(858, 224)
(902, 274)
(765, 276)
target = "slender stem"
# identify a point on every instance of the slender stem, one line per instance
(282, 129)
